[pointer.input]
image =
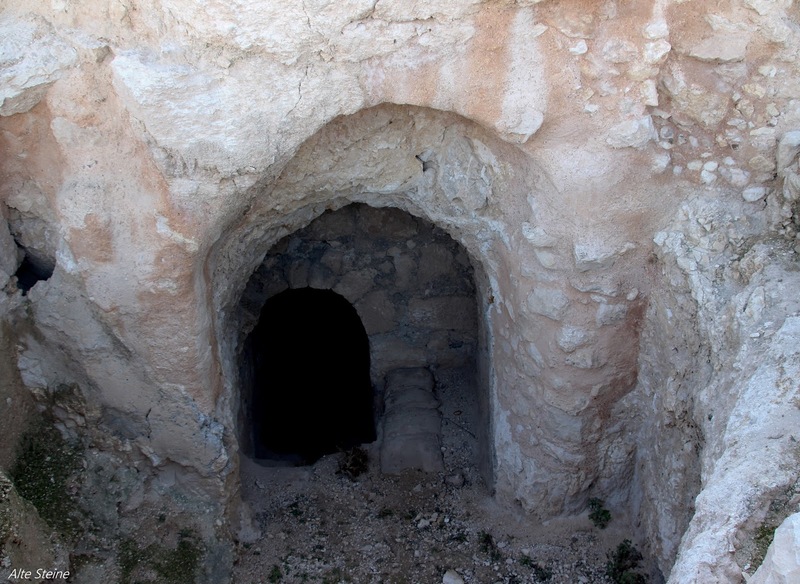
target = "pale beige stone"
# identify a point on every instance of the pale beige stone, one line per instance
(782, 563)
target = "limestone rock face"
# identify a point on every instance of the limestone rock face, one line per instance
(9, 257)
(782, 564)
(32, 57)
(622, 177)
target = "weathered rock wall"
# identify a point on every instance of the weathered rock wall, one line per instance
(156, 153)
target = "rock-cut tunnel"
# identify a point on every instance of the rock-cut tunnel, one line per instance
(337, 306)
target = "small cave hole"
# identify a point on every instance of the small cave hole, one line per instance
(311, 389)
(31, 271)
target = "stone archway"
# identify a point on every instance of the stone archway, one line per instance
(413, 288)
(557, 339)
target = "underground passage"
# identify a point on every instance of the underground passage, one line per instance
(366, 319)
(312, 393)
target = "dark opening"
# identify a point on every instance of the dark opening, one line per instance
(311, 387)
(30, 272)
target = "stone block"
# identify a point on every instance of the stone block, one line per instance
(586, 358)
(390, 352)
(32, 57)
(632, 133)
(413, 397)
(298, 274)
(611, 314)
(549, 302)
(572, 337)
(597, 255)
(444, 312)
(377, 312)
(355, 284)
(435, 260)
(333, 225)
(788, 149)
(405, 270)
(421, 452)
(721, 48)
(417, 377)
(403, 420)
(320, 277)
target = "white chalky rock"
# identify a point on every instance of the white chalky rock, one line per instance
(763, 7)
(632, 133)
(452, 577)
(32, 57)
(753, 194)
(549, 302)
(782, 563)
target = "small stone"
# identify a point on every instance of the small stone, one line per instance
(632, 133)
(755, 90)
(452, 577)
(619, 51)
(649, 92)
(656, 52)
(580, 48)
(753, 194)
(656, 30)
(761, 164)
(708, 177)
(549, 302)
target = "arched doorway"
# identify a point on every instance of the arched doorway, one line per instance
(311, 388)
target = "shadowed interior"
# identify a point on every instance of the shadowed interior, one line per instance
(312, 394)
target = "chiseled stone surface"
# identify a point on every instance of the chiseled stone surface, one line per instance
(154, 151)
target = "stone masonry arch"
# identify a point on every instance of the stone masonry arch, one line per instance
(545, 412)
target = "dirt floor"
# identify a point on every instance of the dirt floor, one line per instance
(320, 525)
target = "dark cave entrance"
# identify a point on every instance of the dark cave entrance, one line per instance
(312, 393)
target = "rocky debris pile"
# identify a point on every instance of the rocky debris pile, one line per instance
(317, 525)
